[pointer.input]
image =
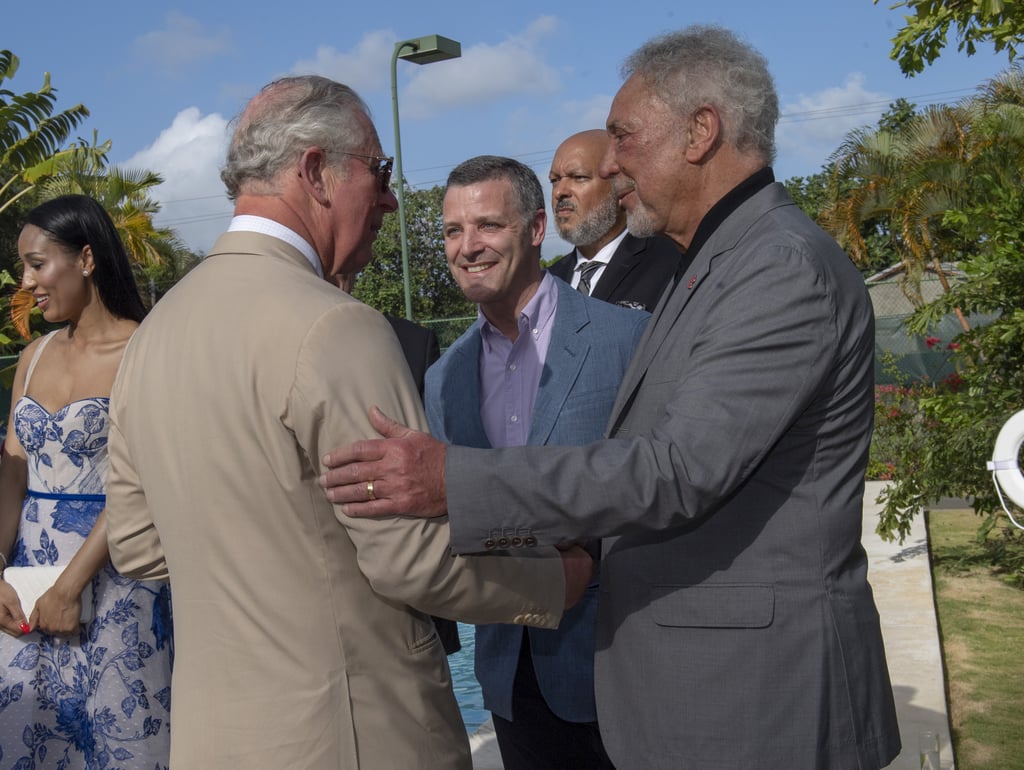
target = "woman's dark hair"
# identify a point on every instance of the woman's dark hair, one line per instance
(77, 221)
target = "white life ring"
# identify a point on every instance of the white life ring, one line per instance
(1004, 465)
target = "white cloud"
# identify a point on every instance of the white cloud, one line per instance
(188, 155)
(365, 69)
(485, 74)
(813, 126)
(180, 45)
(538, 29)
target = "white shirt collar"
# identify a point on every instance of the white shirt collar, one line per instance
(606, 252)
(253, 224)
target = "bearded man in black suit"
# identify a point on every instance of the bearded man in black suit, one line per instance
(608, 263)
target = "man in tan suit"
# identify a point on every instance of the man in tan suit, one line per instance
(302, 636)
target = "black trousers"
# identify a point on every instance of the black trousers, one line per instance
(537, 739)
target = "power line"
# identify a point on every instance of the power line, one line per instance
(540, 164)
(222, 196)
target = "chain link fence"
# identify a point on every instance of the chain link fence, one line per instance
(449, 329)
(901, 358)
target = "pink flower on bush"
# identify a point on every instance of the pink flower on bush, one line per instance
(953, 346)
(931, 342)
(953, 381)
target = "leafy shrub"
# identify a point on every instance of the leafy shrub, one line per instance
(933, 440)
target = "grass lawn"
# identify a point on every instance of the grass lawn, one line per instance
(981, 624)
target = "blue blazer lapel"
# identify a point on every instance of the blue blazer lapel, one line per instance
(460, 376)
(566, 355)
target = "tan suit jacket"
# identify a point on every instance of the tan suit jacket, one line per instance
(302, 636)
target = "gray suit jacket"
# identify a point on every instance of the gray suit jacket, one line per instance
(736, 625)
(591, 345)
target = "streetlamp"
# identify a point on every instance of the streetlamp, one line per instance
(420, 50)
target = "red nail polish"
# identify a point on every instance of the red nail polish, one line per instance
(25, 628)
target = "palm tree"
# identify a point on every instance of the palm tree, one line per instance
(124, 193)
(32, 137)
(908, 180)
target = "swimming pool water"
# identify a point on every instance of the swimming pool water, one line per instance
(467, 691)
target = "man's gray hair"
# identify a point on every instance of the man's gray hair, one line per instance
(526, 187)
(282, 121)
(710, 65)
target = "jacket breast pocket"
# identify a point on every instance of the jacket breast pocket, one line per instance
(736, 605)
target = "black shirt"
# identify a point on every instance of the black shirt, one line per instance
(721, 211)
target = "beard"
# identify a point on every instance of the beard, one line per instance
(639, 222)
(592, 226)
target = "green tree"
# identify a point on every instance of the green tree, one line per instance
(810, 193)
(906, 178)
(949, 428)
(871, 248)
(125, 194)
(434, 292)
(32, 136)
(12, 217)
(155, 280)
(920, 42)
(955, 423)
(900, 113)
(813, 195)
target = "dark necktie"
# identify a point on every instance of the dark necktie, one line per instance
(586, 272)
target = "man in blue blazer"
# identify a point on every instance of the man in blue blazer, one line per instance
(541, 365)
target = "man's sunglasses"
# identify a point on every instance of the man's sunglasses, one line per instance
(379, 167)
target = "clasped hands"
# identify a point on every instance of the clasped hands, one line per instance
(402, 474)
(57, 612)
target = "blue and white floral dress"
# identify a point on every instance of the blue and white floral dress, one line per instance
(100, 701)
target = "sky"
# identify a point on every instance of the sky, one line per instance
(162, 80)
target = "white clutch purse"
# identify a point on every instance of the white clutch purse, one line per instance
(32, 582)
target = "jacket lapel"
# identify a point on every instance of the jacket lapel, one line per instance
(461, 378)
(674, 301)
(566, 355)
(624, 260)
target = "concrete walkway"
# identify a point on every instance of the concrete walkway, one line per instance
(901, 579)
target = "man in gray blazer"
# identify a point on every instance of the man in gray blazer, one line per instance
(608, 262)
(736, 626)
(541, 365)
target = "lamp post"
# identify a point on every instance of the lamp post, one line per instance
(420, 50)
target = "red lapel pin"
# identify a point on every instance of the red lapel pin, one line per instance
(693, 280)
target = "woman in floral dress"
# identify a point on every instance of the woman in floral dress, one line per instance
(92, 695)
